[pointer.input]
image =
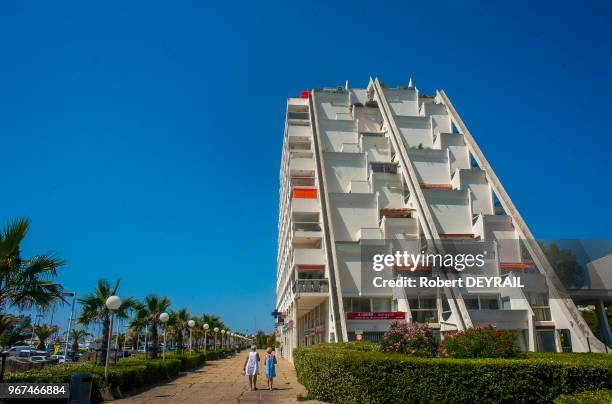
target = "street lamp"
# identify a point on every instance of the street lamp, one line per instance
(216, 330)
(206, 327)
(112, 303)
(191, 324)
(223, 341)
(73, 294)
(163, 318)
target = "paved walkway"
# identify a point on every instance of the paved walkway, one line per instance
(221, 381)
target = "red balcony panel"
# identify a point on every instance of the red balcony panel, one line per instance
(305, 193)
(303, 267)
(516, 265)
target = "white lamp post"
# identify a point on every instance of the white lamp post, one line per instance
(206, 327)
(216, 330)
(223, 341)
(191, 324)
(112, 303)
(163, 318)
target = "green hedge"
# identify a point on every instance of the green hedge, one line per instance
(190, 361)
(586, 397)
(214, 355)
(347, 375)
(59, 374)
(127, 374)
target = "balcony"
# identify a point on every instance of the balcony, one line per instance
(308, 257)
(307, 235)
(299, 165)
(302, 181)
(309, 293)
(311, 286)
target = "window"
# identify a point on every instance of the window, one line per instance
(381, 305)
(482, 303)
(565, 337)
(357, 304)
(506, 304)
(545, 340)
(366, 304)
(424, 309)
(384, 167)
(539, 305)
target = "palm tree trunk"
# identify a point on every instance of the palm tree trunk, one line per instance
(154, 339)
(105, 328)
(179, 341)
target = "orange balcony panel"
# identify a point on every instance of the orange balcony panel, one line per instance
(437, 186)
(305, 193)
(303, 267)
(515, 265)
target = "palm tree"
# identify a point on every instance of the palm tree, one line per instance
(26, 282)
(180, 319)
(137, 323)
(94, 309)
(43, 332)
(212, 321)
(14, 330)
(77, 335)
(154, 306)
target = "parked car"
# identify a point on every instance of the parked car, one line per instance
(16, 350)
(39, 359)
(59, 359)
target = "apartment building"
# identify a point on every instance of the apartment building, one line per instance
(385, 163)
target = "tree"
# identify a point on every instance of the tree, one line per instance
(77, 335)
(154, 306)
(137, 323)
(26, 282)
(14, 330)
(94, 309)
(565, 265)
(263, 340)
(178, 320)
(43, 332)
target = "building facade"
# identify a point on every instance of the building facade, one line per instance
(392, 163)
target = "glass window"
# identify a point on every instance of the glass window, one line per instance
(489, 303)
(506, 305)
(471, 303)
(361, 304)
(347, 304)
(545, 340)
(381, 304)
(428, 303)
(424, 316)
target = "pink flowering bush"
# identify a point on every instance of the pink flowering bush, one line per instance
(481, 342)
(412, 339)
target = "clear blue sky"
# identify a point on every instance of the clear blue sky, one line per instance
(143, 139)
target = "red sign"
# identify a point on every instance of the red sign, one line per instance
(367, 315)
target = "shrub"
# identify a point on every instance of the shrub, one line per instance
(586, 397)
(126, 374)
(214, 355)
(413, 339)
(482, 342)
(348, 376)
(190, 361)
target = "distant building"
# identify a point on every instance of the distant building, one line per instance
(392, 163)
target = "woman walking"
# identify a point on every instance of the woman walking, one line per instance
(270, 367)
(251, 367)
